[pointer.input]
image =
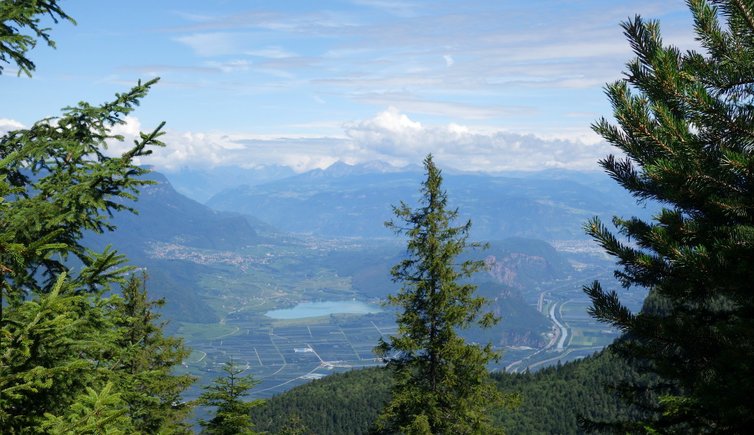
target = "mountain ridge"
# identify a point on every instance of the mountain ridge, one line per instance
(354, 201)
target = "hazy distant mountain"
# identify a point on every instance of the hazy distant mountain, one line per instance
(355, 201)
(342, 169)
(201, 184)
(166, 216)
(189, 249)
(513, 266)
(523, 263)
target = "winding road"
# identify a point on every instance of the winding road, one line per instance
(563, 335)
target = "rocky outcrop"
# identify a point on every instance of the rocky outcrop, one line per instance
(506, 269)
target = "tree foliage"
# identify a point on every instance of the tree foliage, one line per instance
(552, 400)
(684, 127)
(19, 16)
(232, 413)
(74, 356)
(57, 183)
(339, 404)
(144, 360)
(94, 413)
(48, 349)
(441, 382)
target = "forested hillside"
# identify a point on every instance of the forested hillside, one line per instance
(552, 400)
(168, 219)
(85, 348)
(344, 403)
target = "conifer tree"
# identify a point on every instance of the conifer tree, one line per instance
(232, 413)
(441, 382)
(18, 17)
(66, 362)
(684, 124)
(143, 361)
(49, 346)
(96, 413)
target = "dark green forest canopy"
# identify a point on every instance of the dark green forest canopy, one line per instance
(553, 400)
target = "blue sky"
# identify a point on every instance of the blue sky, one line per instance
(484, 85)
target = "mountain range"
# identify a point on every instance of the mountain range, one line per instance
(355, 201)
(166, 216)
(168, 221)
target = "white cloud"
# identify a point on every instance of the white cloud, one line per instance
(7, 125)
(390, 132)
(393, 134)
(448, 60)
(237, 65)
(391, 120)
(271, 53)
(211, 44)
(130, 127)
(389, 136)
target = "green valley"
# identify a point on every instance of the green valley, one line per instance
(220, 286)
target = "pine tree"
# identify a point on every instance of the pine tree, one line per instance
(49, 347)
(66, 362)
(226, 393)
(55, 179)
(59, 184)
(143, 362)
(441, 382)
(96, 413)
(684, 125)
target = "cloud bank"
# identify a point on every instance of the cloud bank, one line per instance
(390, 136)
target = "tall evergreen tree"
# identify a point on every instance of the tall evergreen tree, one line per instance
(441, 382)
(143, 361)
(96, 413)
(66, 360)
(685, 127)
(232, 413)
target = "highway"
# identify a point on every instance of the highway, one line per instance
(563, 335)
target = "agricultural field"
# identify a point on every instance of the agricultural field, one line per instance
(282, 355)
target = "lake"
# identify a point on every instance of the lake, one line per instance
(318, 309)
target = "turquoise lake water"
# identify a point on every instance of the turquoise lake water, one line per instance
(318, 309)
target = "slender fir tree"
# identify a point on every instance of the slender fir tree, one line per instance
(441, 382)
(49, 347)
(143, 362)
(232, 413)
(96, 413)
(685, 127)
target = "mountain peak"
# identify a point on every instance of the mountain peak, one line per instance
(341, 168)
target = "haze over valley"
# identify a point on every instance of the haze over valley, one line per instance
(376, 216)
(315, 244)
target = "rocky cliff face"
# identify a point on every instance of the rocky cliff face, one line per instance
(506, 269)
(518, 337)
(512, 273)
